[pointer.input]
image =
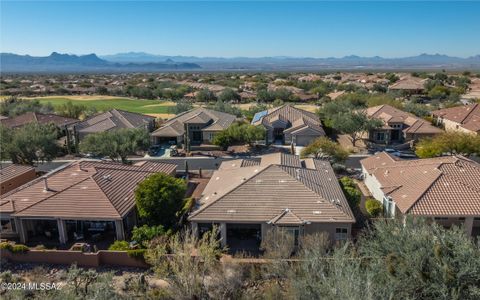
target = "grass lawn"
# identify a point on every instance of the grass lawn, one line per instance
(102, 103)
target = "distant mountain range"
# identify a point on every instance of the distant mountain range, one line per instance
(91, 63)
(423, 61)
(145, 62)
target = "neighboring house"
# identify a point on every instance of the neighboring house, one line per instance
(200, 124)
(289, 125)
(445, 189)
(409, 85)
(246, 198)
(62, 124)
(13, 176)
(398, 126)
(85, 199)
(461, 118)
(34, 117)
(111, 120)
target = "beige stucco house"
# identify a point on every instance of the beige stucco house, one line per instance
(246, 198)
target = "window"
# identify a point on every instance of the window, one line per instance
(341, 234)
(295, 231)
(380, 136)
(461, 219)
(440, 218)
(388, 207)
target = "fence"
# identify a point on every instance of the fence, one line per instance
(66, 257)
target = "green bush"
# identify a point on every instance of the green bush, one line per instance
(351, 192)
(347, 182)
(137, 253)
(373, 207)
(119, 246)
(145, 233)
(19, 248)
(14, 248)
(5, 246)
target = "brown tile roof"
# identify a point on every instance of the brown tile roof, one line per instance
(264, 192)
(34, 117)
(389, 114)
(113, 119)
(82, 190)
(12, 171)
(468, 116)
(175, 126)
(442, 186)
(296, 119)
(408, 83)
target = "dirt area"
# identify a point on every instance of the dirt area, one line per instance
(166, 103)
(346, 142)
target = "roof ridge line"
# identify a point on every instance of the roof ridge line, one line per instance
(32, 182)
(469, 113)
(57, 192)
(426, 190)
(122, 118)
(321, 196)
(103, 192)
(227, 193)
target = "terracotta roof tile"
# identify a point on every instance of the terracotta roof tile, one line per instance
(444, 186)
(83, 189)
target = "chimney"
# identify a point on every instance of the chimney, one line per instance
(45, 182)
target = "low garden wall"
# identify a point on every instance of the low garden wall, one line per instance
(66, 257)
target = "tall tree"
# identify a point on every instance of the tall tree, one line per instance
(29, 144)
(324, 148)
(116, 144)
(159, 198)
(354, 124)
(451, 143)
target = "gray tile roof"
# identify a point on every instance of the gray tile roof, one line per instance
(113, 119)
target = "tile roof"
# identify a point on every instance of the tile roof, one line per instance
(267, 191)
(175, 126)
(34, 117)
(408, 83)
(13, 170)
(295, 118)
(389, 114)
(442, 186)
(468, 116)
(113, 119)
(82, 190)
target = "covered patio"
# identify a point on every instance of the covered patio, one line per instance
(60, 232)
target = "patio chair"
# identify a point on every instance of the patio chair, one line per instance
(78, 236)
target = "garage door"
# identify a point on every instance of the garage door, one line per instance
(303, 140)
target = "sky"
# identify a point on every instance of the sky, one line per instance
(241, 28)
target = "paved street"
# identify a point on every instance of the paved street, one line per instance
(194, 163)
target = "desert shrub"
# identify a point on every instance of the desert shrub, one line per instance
(142, 235)
(374, 207)
(119, 246)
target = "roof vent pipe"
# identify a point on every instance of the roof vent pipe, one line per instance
(45, 182)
